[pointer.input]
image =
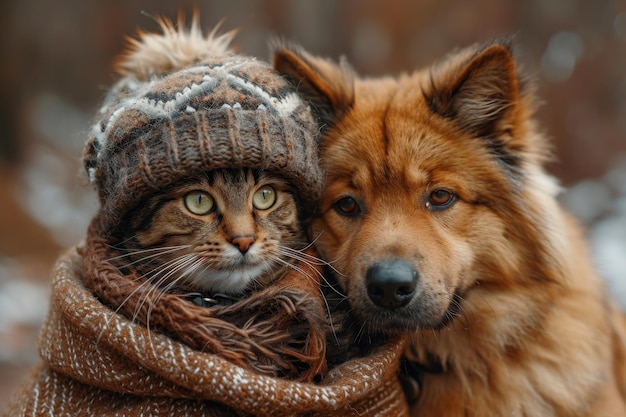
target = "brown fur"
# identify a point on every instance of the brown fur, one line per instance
(508, 316)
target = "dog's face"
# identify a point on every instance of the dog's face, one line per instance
(424, 188)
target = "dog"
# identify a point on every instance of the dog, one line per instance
(440, 220)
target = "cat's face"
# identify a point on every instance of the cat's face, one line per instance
(224, 232)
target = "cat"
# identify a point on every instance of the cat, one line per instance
(223, 234)
(198, 261)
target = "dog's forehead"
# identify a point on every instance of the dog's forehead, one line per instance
(391, 137)
(394, 143)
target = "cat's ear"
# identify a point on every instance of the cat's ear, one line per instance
(478, 88)
(326, 85)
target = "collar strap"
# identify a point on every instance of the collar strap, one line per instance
(412, 376)
(211, 300)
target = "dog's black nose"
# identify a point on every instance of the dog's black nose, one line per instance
(391, 283)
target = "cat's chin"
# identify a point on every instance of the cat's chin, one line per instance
(231, 282)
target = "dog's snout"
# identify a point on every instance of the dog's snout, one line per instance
(391, 283)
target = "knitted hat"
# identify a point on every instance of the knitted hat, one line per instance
(186, 105)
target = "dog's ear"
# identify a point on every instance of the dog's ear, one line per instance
(478, 88)
(328, 87)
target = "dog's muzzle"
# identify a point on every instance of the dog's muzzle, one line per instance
(391, 283)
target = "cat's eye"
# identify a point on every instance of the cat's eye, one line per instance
(264, 198)
(199, 203)
(440, 199)
(347, 206)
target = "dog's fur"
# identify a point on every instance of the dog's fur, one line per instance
(442, 170)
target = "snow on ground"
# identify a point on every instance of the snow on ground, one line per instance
(600, 204)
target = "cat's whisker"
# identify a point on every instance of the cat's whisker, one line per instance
(314, 260)
(157, 291)
(119, 308)
(121, 245)
(158, 294)
(283, 262)
(155, 252)
(332, 289)
(302, 272)
(171, 276)
(359, 334)
(329, 262)
(311, 244)
(139, 289)
(184, 270)
(155, 278)
(334, 327)
(163, 267)
(148, 249)
(295, 254)
(165, 272)
(303, 255)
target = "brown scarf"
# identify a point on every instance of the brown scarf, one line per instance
(277, 331)
(98, 362)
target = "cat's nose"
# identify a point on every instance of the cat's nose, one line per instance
(243, 243)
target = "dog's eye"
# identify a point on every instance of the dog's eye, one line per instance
(347, 206)
(440, 199)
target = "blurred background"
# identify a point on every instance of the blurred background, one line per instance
(57, 64)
